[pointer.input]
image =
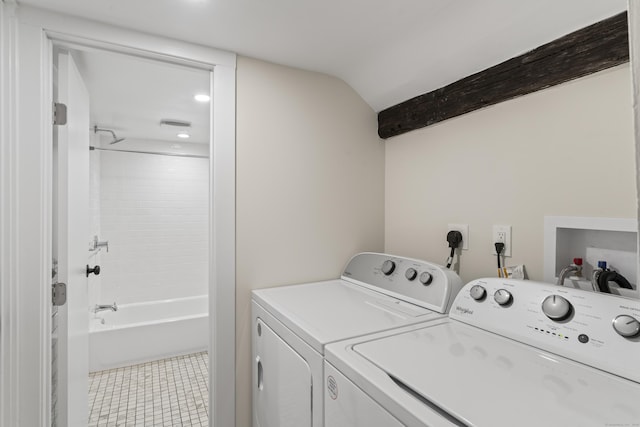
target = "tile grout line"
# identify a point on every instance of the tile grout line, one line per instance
(168, 392)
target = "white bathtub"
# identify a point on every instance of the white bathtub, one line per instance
(142, 332)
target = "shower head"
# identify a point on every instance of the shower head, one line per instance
(96, 129)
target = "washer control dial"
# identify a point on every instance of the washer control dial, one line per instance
(426, 278)
(410, 274)
(477, 292)
(502, 296)
(627, 326)
(556, 307)
(388, 267)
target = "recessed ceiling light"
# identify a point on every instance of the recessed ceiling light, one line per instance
(201, 97)
(183, 135)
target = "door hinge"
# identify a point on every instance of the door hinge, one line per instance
(59, 113)
(59, 294)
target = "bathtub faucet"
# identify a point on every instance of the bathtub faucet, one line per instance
(99, 307)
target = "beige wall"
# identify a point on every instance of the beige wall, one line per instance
(311, 173)
(310, 187)
(634, 36)
(567, 150)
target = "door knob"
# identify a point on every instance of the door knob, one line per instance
(95, 270)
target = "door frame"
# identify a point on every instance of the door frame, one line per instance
(25, 195)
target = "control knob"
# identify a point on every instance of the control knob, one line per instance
(426, 278)
(556, 307)
(388, 266)
(627, 326)
(410, 274)
(477, 292)
(502, 296)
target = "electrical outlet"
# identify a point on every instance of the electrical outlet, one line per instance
(501, 233)
(464, 230)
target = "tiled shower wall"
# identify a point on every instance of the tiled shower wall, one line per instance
(95, 257)
(153, 210)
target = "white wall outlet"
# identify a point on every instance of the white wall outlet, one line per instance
(462, 228)
(501, 233)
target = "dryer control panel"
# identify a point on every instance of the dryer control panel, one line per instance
(418, 282)
(600, 330)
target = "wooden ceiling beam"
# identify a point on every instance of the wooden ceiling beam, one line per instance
(583, 52)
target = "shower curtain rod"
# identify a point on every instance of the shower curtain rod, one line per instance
(157, 153)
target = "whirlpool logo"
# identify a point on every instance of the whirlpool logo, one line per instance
(463, 310)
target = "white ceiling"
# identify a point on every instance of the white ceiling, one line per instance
(131, 95)
(387, 50)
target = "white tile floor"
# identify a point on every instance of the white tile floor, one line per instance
(169, 392)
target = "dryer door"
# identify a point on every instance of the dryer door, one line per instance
(281, 382)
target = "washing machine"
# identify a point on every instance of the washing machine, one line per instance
(293, 324)
(510, 353)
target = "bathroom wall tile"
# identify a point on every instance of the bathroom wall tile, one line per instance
(154, 212)
(94, 225)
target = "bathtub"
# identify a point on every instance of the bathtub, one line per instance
(142, 332)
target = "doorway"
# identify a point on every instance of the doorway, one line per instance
(131, 187)
(27, 254)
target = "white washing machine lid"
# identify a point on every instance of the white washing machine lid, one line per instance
(484, 380)
(324, 312)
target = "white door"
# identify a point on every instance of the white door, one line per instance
(71, 243)
(282, 390)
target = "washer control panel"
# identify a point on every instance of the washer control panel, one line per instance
(416, 281)
(600, 330)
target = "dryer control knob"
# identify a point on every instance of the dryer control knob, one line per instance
(388, 266)
(477, 292)
(502, 296)
(627, 326)
(426, 278)
(410, 274)
(556, 307)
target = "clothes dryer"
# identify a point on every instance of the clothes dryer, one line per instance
(511, 353)
(292, 324)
